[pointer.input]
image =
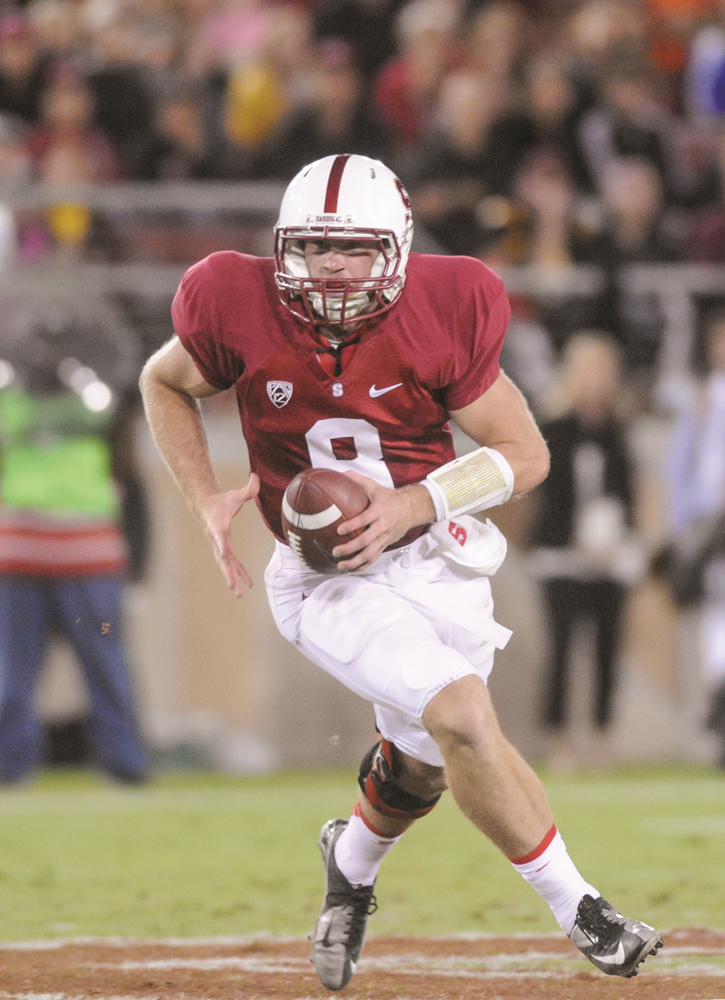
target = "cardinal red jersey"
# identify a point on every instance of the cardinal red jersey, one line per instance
(385, 414)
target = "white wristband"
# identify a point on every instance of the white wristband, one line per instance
(474, 482)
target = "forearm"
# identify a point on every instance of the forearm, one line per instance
(171, 386)
(501, 419)
(529, 461)
(176, 425)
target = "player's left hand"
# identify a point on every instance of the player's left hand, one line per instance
(391, 514)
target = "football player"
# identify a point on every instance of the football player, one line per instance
(350, 353)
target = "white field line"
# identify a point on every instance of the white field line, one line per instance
(268, 937)
(534, 964)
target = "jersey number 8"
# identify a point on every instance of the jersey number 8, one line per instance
(357, 440)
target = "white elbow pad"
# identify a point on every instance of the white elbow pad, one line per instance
(474, 482)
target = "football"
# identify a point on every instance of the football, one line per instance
(314, 504)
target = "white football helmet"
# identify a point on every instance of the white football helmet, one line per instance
(348, 197)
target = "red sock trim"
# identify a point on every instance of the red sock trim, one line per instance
(357, 811)
(537, 851)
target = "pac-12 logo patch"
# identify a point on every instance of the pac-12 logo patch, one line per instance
(280, 393)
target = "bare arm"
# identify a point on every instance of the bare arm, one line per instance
(501, 419)
(171, 386)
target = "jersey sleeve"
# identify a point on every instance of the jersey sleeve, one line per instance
(481, 328)
(197, 316)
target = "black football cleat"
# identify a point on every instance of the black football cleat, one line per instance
(337, 940)
(615, 944)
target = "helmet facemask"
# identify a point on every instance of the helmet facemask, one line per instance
(337, 301)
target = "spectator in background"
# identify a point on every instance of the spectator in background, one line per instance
(65, 146)
(252, 60)
(452, 173)
(406, 88)
(265, 92)
(636, 223)
(672, 26)
(696, 473)
(158, 53)
(702, 75)
(15, 161)
(24, 69)
(366, 25)
(123, 106)
(337, 117)
(546, 119)
(706, 238)
(57, 28)
(545, 188)
(62, 554)
(494, 47)
(178, 148)
(630, 120)
(582, 528)
(540, 228)
(598, 34)
(635, 227)
(225, 34)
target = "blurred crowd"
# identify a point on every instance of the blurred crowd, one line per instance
(546, 132)
(528, 130)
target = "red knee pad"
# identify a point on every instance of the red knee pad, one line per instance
(379, 772)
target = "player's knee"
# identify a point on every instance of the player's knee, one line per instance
(462, 716)
(397, 787)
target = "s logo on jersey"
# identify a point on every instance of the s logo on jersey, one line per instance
(280, 393)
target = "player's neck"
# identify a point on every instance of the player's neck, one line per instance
(336, 334)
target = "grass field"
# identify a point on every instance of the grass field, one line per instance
(207, 855)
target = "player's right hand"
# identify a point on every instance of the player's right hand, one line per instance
(216, 512)
(390, 515)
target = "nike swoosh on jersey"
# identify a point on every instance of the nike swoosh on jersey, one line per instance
(616, 959)
(381, 392)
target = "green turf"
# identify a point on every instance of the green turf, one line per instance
(212, 855)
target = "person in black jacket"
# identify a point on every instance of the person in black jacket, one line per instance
(582, 530)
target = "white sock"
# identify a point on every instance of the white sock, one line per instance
(555, 877)
(359, 852)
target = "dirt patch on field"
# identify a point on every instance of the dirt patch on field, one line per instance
(692, 967)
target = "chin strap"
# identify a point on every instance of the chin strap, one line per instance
(331, 358)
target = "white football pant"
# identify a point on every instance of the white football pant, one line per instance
(396, 633)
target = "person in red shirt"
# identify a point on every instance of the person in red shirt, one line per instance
(348, 352)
